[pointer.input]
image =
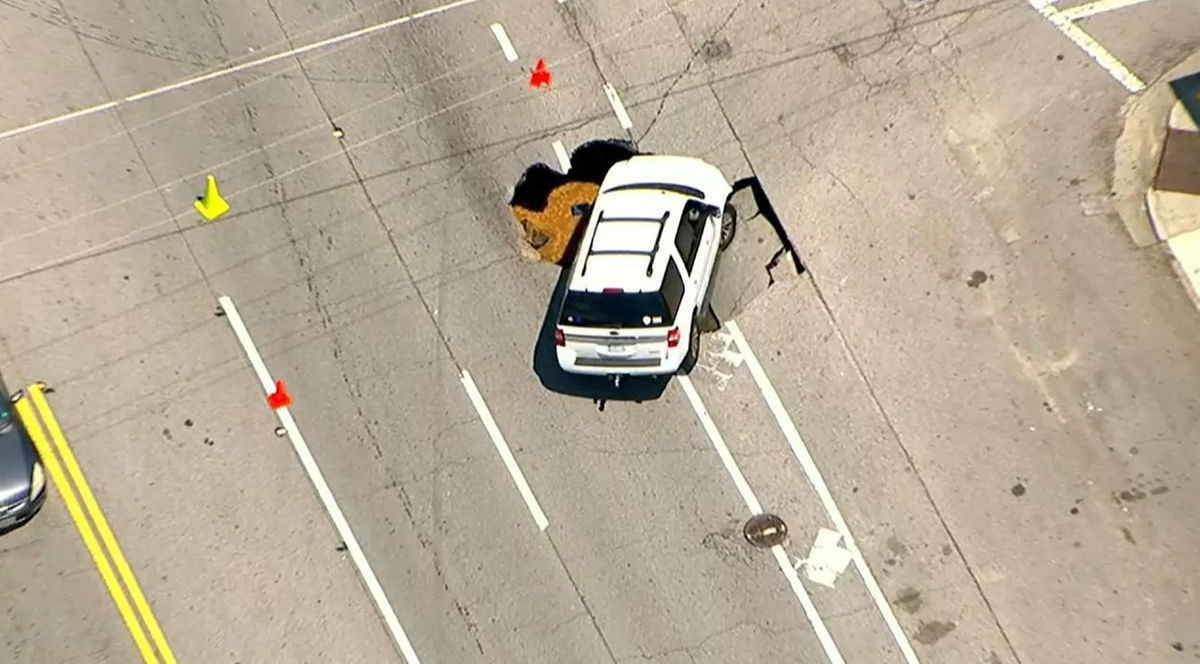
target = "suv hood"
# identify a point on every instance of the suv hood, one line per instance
(17, 457)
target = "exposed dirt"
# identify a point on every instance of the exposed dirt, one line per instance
(550, 231)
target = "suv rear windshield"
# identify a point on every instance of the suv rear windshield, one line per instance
(585, 309)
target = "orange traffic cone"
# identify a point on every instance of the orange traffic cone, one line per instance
(540, 78)
(279, 398)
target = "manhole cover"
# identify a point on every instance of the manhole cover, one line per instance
(765, 531)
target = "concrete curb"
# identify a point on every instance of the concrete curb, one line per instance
(1139, 149)
(1152, 216)
(1174, 197)
(1185, 248)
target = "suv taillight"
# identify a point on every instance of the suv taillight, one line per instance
(559, 338)
(673, 337)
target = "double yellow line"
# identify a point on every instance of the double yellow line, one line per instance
(34, 411)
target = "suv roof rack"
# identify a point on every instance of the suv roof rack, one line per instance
(662, 223)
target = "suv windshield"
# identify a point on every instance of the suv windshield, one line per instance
(585, 309)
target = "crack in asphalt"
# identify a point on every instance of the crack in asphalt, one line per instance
(136, 148)
(325, 316)
(700, 644)
(846, 55)
(571, 16)
(58, 17)
(326, 321)
(425, 541)
(915, 44)
(695, 53)
(394, 476)
(787, 247)
(797, 55)
(640, 454)
(891, 35)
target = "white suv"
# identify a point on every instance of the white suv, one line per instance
(641, 277)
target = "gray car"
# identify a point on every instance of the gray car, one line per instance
(22, 480)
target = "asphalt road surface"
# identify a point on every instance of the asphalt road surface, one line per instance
(998, 391)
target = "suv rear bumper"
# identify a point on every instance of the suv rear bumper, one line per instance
(635, 365)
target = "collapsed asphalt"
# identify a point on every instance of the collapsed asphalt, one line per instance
(590, 162)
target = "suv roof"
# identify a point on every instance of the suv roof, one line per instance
(634, 223)
(626, 242)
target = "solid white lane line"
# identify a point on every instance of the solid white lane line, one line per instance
(718, 442)
(800, 450)
(1093, 8)
(810, 609)
(752, 504)
(399, 637)
(510, 463)
(90, 110)
(564, 159)
(615, 100)
(233, 69)
(1089, 45)
(505, 43)
(243, 337)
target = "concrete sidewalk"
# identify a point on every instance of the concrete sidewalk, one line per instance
(1156, 175)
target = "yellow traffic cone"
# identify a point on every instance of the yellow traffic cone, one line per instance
(211, 205)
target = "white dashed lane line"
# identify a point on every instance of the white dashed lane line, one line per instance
(739, 480)
(506, 45)
(800, 450)
(506, 455)
(378, 596)
(619, 108)
(564, 159)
